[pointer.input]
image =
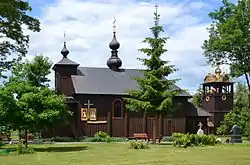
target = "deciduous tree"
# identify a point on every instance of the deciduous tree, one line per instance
(197, 98)
(13, 19)
(26, 103)
(240, 109)
(229, 38)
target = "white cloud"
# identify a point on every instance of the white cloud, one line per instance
(88, 26)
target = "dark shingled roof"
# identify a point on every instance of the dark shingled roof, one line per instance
(66, 61)
(195, 111)
(107, 81)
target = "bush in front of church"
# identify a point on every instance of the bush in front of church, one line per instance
(138, 145)
(188, 140)
(104, 137)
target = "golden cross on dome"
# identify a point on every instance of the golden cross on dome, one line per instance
(114, 26)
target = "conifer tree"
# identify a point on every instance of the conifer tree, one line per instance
(155, 93)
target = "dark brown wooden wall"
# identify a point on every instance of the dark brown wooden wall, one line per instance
(131, 122)
(63, 82)
(216, 105)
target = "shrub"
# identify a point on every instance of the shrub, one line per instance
(20, 147)
(187, 140)
(22, 150)
(101, 134)
(107, 139)
(98, 137)
(1, 144)
(138, 145)
(167, 139)
(119, 139)
(67, 139)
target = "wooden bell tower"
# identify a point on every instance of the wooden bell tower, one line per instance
(217, 95)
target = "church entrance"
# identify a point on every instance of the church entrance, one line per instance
(118, 119)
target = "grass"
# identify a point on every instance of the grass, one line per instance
(119, 153)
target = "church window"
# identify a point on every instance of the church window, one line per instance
(117, 109)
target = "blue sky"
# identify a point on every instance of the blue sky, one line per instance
(88, 26)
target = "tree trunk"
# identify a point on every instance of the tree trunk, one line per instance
(19, 134)
(154, 131)
(248, 85)
(26, 138)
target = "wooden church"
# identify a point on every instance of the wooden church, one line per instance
(95, 96)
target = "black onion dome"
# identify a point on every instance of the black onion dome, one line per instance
(114, 63)
(114, 44)
(64, 51)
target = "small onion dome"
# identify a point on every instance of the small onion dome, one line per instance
(217, 70)
(64, 51)
(114, 44)
(114, 63)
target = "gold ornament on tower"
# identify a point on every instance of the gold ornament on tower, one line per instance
(218, 76)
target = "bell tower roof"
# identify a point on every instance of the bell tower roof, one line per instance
(65, 61)
(218, 76)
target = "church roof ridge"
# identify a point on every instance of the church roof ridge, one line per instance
(94, 67)
(94, 80)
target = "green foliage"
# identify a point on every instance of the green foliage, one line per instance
(138, 145)
(108, 139)
(240, 111)
(5, 130)
(14, 16)
(25, 101)
(101, 134)
(20, 147)
(197, 99)
(155, 92)
(101, 137)
(229, 38)
(188, 140)
(35, 72)
(86, 139)
(22, 150)
(64, 139)
(167, 139)
(33, 109)
(1, 144)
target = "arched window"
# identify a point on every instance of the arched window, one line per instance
(117, 109)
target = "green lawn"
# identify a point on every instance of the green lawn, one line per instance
(119, 153)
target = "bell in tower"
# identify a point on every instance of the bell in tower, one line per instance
(217, 95)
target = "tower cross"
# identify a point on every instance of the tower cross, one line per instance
(114, 26)
(88, 104)
(64, 36)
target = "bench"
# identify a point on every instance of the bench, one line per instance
(140, 136)
(5, 138)
(30, 137)
(146, 137)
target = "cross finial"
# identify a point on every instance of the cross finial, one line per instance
(64, 36)
(156, 8)
(114, 26)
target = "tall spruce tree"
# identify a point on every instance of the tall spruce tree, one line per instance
(155, 94)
